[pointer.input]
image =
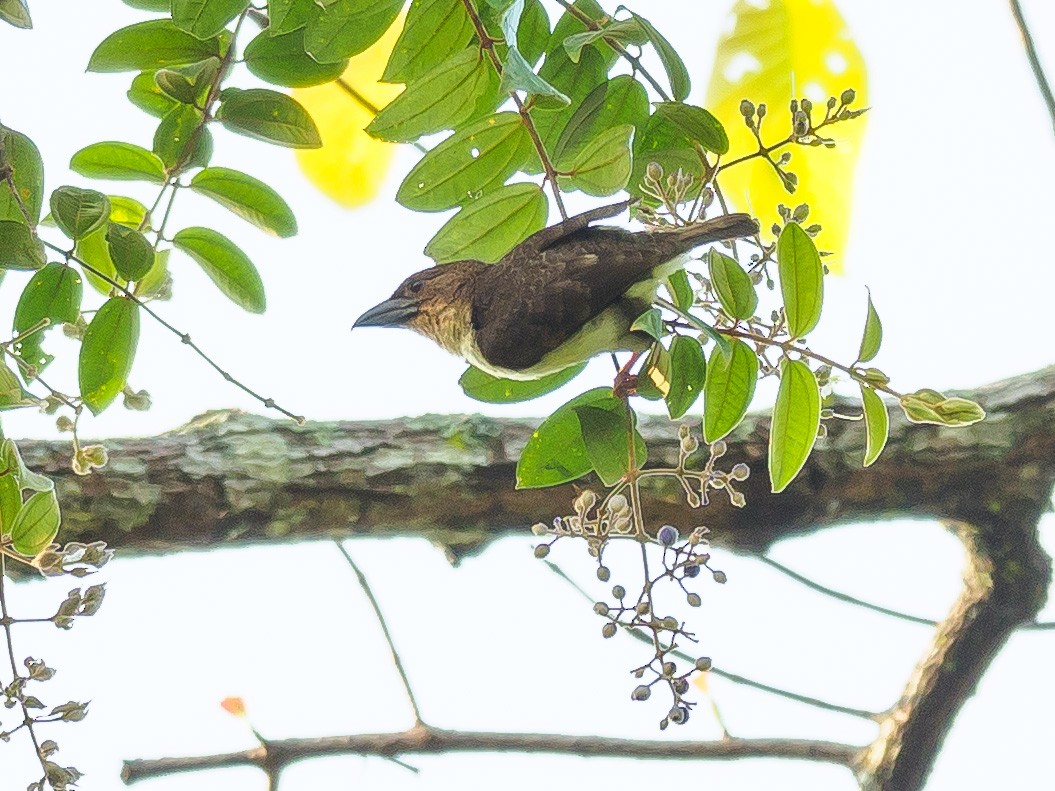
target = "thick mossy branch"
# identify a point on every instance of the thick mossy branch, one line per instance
(230, 478)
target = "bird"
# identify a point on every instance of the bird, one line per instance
(563, 295)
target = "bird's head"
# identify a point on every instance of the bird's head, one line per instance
(435, 302)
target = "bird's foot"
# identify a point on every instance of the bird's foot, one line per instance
(625, 383)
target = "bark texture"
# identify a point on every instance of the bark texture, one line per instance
(230, 478)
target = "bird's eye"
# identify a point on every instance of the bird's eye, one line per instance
(414, 286)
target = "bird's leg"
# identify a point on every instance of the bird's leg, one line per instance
(625, 383)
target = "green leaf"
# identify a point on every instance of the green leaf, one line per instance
(556, 452)
(177, 131)
(187, 84)
(150, 45)
(801, 279)
(651, 322)
(468, 164)
(149, 5)
(107, 352)
(604, 433)
(569, 24)
(696, 125)
(131, 253)
(434, 31)
(621, 100)
(873, 335)
(688, 369)
(36, 524)
(728, 389)
(205, 18)
(288, 15)
(248, 197)
(156, 284)
(16, 12)
(53, 293)
(517, 75)
(20, 154)
(94, 250)
(602, 166)
(19, 248)
(624, 31)
(678, 75)
(118, 162)
(490, 389)
(653, 381)
(930, 406)
(269, 116)
(732, 285)
(24, 477)
(12, 394)
(347, 27)
(680, 290)
(533, 31)
(443, 98)
(796, 420)
(230, 268)
(10, 503)
(575, 81)
(78, 212)
(145, 94)
(488, 228)
(877, 424)
(281, 60)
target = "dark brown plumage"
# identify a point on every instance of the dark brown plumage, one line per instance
(566, 293)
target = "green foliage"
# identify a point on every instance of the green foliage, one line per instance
(873, 335)
(801, 279)
(151, 45)
(226, 265)
(728, 389)
(131, 253)
(602, 166)
(558, 451)
(877, 424)
(489, 227)
(482, 386)
(248, 197)
(732, 285)
(53, 293)
(16, 12)
(20, 154)
(107, 352)
(78, 212)
(36, 524)
(269, 116)
(279, 58)
(467, 165)
(796, 420)
(19, 249)
(434, 31)
(205, 19)
(688, 371)
(344, 28)
(118, 162)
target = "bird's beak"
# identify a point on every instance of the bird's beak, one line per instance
(393, 312)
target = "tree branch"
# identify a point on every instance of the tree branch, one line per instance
(1034, 60)
(427, 740)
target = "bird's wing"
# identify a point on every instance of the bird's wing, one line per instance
(547, 237)
(526, 308)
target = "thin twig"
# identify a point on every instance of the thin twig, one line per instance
(384, 628)
(487, 44)
(428, 740)
(843, 597)
(735, 678)
(183, 336)
(1034, 60)
(5, 618)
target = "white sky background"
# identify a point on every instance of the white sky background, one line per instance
(952, 203)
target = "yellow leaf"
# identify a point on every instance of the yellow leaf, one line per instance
(780, 50)
(351, 166)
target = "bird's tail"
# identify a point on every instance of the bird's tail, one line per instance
(717, 229)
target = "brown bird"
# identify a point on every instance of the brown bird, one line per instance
(564, 294)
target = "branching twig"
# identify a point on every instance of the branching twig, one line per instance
(183, 336)
(487, 44)
(428, 740)
(384, 628)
